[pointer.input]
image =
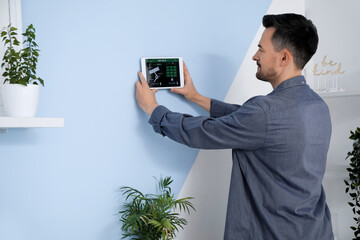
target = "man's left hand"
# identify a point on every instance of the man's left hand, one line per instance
(145, 96)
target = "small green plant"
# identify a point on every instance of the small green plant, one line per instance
(150, 216)
(353, 185)
(20, 65)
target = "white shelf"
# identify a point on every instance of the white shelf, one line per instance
(339, 94)
(336, 172)
(35, 122)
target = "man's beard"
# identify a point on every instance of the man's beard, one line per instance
(265, 75)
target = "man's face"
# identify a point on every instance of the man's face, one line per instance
(266, 57)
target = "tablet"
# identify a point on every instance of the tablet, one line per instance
(163, 72)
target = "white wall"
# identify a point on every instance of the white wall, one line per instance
(345, 116)
(338, 28)
(4, 21)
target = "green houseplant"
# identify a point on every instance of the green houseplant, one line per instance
(353, 185)
(152, 216)
(19, 63)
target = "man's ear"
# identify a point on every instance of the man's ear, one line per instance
(286, 57)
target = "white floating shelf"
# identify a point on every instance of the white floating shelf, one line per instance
(339, 94)
(336, 172)
(34, 122)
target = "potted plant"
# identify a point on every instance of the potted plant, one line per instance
(150, 216)
(21, 85)
(353, 185)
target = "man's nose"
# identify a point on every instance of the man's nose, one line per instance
(255, 58)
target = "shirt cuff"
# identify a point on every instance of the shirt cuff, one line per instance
(156, 117)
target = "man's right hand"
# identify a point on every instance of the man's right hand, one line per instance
(190, 93)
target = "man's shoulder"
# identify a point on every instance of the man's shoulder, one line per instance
(256, 99)
(260, 101)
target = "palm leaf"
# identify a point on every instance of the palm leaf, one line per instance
(151, 216)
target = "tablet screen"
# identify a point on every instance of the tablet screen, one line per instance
(163, 72)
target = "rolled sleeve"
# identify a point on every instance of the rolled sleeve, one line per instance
(219, 108)
(241, 129)
(156, 117)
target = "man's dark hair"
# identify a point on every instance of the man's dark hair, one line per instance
(294, 32)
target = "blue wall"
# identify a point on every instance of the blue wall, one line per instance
(64, 183)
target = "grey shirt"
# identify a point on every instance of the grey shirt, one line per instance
(280, 144)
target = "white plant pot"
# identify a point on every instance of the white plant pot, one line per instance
(20, 100)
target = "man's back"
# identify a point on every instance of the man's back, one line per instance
(276, 189)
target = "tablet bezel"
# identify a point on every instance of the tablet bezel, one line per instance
(181, 71)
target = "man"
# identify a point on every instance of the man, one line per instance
(279, 141)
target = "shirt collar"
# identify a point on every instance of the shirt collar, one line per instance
(291, 82)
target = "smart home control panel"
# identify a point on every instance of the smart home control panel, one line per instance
(163, 72)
